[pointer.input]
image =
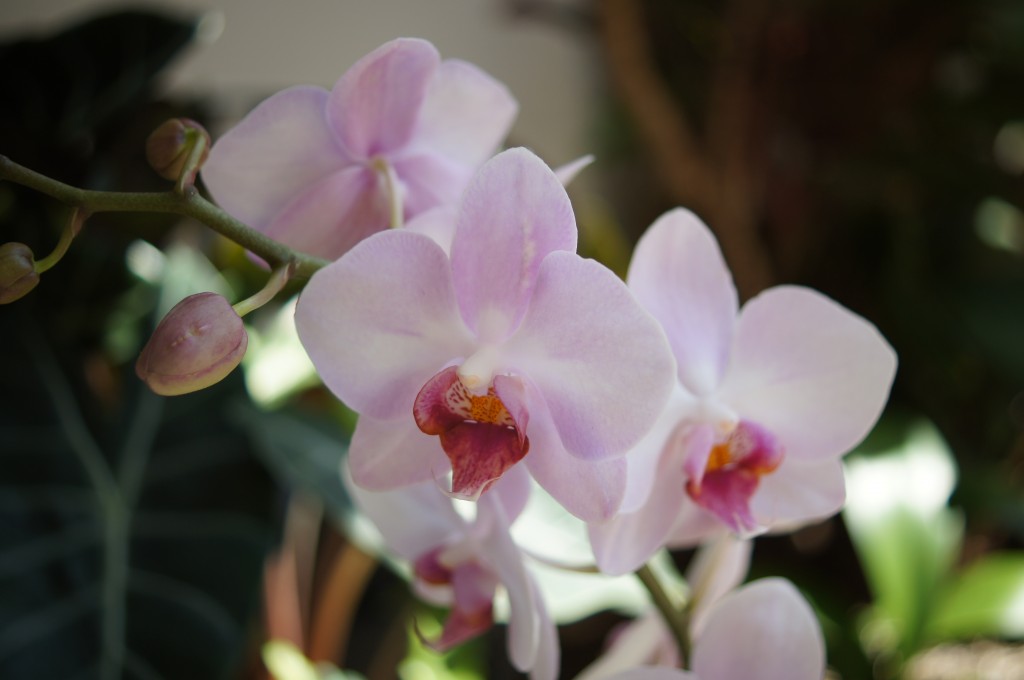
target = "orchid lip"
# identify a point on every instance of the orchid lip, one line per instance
(732, 474)
(482, 435)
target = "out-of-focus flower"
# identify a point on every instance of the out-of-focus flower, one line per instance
(717, 568)
(460, 563)
(762, 631)
(400, 133)
(17, 272)
(767, 401)
(197, 344)
(512, 347)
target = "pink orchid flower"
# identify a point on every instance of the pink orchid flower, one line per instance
(763, 631)
(511, 348)
(461, 563)
(400, 133)
(767, 401)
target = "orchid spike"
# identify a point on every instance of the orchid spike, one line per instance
(462, 564)
(766, 402)
(513, 348)
(400, 133)
(762, 631)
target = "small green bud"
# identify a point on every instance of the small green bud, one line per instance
(169, 146)
(17, 272)
(197, 344)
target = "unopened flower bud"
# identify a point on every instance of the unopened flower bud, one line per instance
(197, 344)
(17, 272)
(169, 146)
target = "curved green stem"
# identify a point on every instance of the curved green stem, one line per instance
(189, 203)
(78, 216)
(277, 281)
(676, 618)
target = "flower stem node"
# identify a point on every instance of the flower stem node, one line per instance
(196, 345)
(17, 272)
(178, 148)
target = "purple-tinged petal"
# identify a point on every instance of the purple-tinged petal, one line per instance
(437, 223)
(629, 539)
(504, 556)
(382, 320)
(602, 364)
(812, 372)
(374, 107)
(472, 613)
(625, 542)
(698, 443)
(800, 492)
(694, 525)
(334, 214)
(678, 275)
(465, 115)
(547, 663)
(653, 673)
(591, 491)
(720, 565)
(273, 155)
(639, 644)
(390, 454)
(514, 212)
(413, 521)
(513, 491)
(765, 630)
(568, 172)
(481, 436)
(428, 181)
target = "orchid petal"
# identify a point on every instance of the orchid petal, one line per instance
(693, 526)
(626, 541)
(644, 640)
(466, 113)
(800, 492)
(472, 613)
(438, 224)
(259, 166)
(602, 363)
(389, 454)
(506, 559)
(591, 491)
(413, 520)
(429, 180)
(514, 212)
(548, 660)
(382, 320)
(678, 275)
(568, 172)
(334, 214)
(765, 630)
(720, 565)
(810, 371)
(373, 107)
(654, 673)
(513, 491)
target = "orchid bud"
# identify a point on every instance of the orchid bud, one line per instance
(170, 145)
(197, 344)
(17, 272)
